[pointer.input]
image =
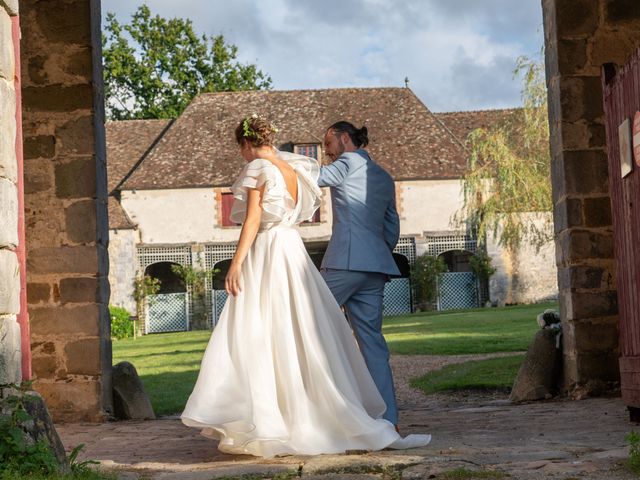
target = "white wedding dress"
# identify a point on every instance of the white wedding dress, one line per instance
(282, 373)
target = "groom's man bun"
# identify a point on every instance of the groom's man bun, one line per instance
(255, 130)
(359, 136)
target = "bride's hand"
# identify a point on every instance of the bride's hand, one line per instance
(232, 281)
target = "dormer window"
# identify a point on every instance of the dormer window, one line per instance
(308, 150)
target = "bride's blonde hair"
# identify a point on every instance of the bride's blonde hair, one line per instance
(255, 130)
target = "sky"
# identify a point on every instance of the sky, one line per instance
(457, 54)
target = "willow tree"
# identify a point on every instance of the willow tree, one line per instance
(507, 186)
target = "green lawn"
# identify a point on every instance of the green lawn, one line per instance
(481, 330)
(489, 374)
(168, 363)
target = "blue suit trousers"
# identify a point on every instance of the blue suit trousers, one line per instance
(361, 293)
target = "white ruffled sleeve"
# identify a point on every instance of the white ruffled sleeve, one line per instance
(254, 175)
(309, 194)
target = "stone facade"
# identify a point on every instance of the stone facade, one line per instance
(65, 206)
(10, 351)
(581, 36)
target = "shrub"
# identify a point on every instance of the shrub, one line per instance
(425, 275)
(121, 324)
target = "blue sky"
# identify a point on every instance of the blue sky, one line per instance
(457, 54)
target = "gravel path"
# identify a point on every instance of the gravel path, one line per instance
(406, 367)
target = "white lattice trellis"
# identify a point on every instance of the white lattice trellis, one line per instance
(407, 247)
(397, 297)
(438, 244)
(167, 312)
(147, 255)
(219, 299)
(457, 290)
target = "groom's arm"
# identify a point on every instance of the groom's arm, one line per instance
(333, 174)
(391, 224)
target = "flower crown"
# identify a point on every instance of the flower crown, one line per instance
(248, 132)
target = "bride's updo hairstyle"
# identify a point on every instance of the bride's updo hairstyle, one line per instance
(358, 136)
(256, 131)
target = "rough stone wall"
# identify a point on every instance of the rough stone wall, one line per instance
(10, 352)
(122, 267)
(65, 206)
(525, 276)
(580, 36)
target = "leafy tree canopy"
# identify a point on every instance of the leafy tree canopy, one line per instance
(507, 187)
(153, 67)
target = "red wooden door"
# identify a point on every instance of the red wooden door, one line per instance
(621, 102)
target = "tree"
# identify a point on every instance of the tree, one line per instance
(507, 187)
(158, 72)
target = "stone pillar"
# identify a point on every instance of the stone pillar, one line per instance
(580, 36)
(10, 351)
(65, 206)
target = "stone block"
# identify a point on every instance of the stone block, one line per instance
(37, 71)
(38, 293)
(80, 63)
(38, 176)
(39, 146)
(575, 246)
(65, 320)
(78, 400)
(78, 259)
(43, 348)
(65, 22)
(8, 214)
(597, 212)
(7, 57)
(76, 136)
(11, 6)
(581, 277)
(588, 305)
(9, 283)
(58, 98)
(79, 290)
(83, 356)
(586, 172)
(76, 178)
(614, 45)
(576, 17)
(622, 10)
(567, 214)
(80, 221)
(581, 98)
(8, 161)
(10, 351)
(44, 366)
(601, 366)
(572, 55)
(575, 135)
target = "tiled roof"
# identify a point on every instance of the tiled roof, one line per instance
(461, 124)
(199, 150)
(127, 141)
(118, 218)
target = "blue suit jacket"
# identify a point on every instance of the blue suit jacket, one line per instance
(366, 226)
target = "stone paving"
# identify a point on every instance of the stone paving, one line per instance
(561, 440)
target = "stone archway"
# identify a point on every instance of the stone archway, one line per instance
(65, 193)
(65, 206)
(581, 36)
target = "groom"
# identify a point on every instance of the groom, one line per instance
(359, 257)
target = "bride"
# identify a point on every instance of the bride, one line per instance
(282, 373)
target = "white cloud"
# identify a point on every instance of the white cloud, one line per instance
(458, 54)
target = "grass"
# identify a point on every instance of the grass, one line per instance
(490, 374)
(168, 363)
(481, 330)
